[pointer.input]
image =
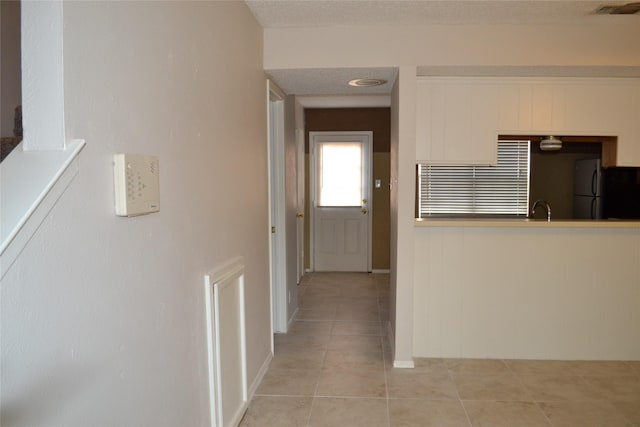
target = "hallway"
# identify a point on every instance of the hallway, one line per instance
(334, 368)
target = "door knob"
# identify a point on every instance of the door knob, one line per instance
(299, 215)
(364, 211)
(364, 200)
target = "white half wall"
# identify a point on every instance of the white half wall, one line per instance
(527, 293)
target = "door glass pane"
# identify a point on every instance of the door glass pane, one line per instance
(339, 174)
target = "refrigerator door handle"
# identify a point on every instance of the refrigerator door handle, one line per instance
(593, 208)
(594, 182)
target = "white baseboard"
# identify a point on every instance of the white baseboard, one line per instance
(400, 364)
(381, 271)
(258, 379)
(403, 364)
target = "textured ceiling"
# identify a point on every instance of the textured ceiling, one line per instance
(332, 13)
(332, 81)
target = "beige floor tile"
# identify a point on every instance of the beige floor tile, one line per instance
(584, 414)
(367, 315)
(426, 413)
(404, 383)
(268, 411)
(289, 382)
(600, 368)
(427, 365)
(623, 389)
(635, 365)
(337, 359)
(298, 358)
(505, 414)
(362, 343)
(541, 367)
(490, 387)
(315, 314)
(311, 328)
(556, 388)
(352, 382)
(631, 411)
(301, 341)
(341, 412)
(476, 366)
(356, 328)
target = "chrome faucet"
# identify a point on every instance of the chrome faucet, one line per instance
(543, 203)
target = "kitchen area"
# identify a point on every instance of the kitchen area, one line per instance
(566, 289)
(578, 183)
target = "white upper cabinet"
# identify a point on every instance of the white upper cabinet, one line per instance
(629, 143)
(454, 124)
(459, 119)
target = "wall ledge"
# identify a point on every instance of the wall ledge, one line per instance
(524, 223)
(30, 184)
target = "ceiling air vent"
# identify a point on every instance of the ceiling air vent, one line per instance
(620, 9)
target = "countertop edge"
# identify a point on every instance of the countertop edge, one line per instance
(524, 223)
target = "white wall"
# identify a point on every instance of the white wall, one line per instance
(543, 293)
(601, 41)
(291, 204)
(402, 194)
(103, 318)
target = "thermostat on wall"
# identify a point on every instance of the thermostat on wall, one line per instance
(137, 184)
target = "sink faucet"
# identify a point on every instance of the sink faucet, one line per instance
(543, 203)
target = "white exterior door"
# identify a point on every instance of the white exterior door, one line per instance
(340, 185)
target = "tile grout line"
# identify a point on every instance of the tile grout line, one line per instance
(529, 395)
(384, 359)
(466, 414)
(324, 358)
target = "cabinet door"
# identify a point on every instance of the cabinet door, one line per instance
(456, 122)
(629, 142)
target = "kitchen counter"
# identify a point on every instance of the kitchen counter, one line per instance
(525, 223)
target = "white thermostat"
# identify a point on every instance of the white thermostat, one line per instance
(137, 184)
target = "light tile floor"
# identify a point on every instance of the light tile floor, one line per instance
(334, 369)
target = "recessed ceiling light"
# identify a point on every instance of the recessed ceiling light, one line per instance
(366, 82)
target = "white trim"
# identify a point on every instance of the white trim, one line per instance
(221, 278)
(30, 183)
(380, 271)
(400, 364)
(261, 373)
(403, 364)
(277, 208)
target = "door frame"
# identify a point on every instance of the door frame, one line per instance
(312, 189)
(300, 200)
(276, 186)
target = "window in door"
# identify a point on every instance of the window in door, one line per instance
(339, 174)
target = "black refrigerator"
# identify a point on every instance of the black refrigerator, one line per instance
(612, 193)
(588, 190)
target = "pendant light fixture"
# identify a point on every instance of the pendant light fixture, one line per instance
(550, 143)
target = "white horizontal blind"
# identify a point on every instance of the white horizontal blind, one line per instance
(477, 190)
